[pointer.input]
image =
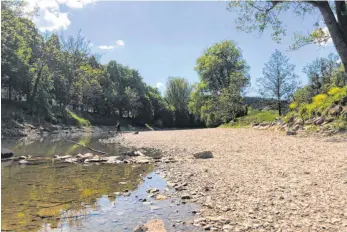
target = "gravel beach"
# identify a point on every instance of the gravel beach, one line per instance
(256, 180)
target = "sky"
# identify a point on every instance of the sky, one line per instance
(162, 39)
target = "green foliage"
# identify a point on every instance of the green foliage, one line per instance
(320, 73)
(262, 15)
(51, 74)
(321, 103)
(177, 96)
(149, 127)
(223, 75)
(335, 90)
(339, 125)
(304, 95)
(279, 80)
(254, 116)
(293, 105)
(80, 121)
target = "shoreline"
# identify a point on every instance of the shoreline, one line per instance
(258, 180)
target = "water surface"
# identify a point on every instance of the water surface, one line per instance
(82, 197)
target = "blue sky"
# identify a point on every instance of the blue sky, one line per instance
(163, 39)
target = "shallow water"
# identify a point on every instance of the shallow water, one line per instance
(55, 145)
(78, 197)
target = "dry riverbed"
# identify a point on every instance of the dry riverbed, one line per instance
(256, 180)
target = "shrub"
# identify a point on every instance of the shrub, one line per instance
(293, 105)
(319, 99)
(335, 90)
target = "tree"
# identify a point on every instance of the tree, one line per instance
(177, 95)
(320, 73)
(223, 76)
(261, 15)
(278, 81)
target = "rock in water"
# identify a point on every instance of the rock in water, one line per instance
(85, 156)
(155, 225)
(6, 153)
(203, 155)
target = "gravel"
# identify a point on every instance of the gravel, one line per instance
(256, 180)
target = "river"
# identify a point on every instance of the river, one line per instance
(82, 197)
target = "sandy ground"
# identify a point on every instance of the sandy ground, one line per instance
(257, 180)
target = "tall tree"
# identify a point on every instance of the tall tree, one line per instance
(223, 76)
(177, 95)
(278, 81)
(260, 15)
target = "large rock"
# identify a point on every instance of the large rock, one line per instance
(85, 156)
(203, 155)
(318, 121)
(336, 110)
(114, 159)
(155, 225)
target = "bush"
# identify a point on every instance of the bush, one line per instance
(304, 95)
(335, 90)
(293, 105)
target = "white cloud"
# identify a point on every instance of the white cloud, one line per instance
(120, 42)
(159, 85)
(339, 61)
(49, 16)
(105, 47)
(76, 3)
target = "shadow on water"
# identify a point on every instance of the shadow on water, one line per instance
(80, 197)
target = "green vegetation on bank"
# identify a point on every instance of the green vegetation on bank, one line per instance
(80, 121)
(331, 104)
(253, 116)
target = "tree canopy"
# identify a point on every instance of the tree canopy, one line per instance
(223, 76)
(261, 15)
(279, 80)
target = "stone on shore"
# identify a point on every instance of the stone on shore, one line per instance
(155, 225)
(291, 132)
(203, 155)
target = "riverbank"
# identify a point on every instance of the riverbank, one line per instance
(257, 180)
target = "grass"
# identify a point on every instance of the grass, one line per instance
(149, 127)
(254, 116)
(80, 121)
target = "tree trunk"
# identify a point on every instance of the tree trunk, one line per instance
(37, 81)
(335, 31)
(279, 107)
(10, 92)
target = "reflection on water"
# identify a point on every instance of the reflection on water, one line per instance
(32, 195)
(78, 197)
(126, 212)
(55, 145)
